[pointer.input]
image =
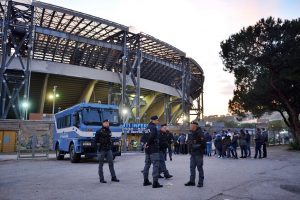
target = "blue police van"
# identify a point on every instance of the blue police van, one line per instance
(75, 129)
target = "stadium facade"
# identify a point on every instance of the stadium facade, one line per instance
(87, 58)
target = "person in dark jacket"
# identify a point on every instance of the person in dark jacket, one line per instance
(152, 146)
(218, 144)
(234, 144)
(248, 140)
(226, 141)
(197, 144)
(144, 139)
(243, 144)
(103, 141)
(265, 140)
(181, 140)
(163, 145)
(258, 142)
(208, 139)
(170, 142)
(176, 144)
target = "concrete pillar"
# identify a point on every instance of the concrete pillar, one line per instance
(44, 94)
(149, 100)
(88, 91)
(109, 101)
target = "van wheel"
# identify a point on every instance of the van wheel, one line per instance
(74, 157)
(59, 154)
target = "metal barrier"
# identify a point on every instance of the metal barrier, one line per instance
(29, 139)
(33, 145)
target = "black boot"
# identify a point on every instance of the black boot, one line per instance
(190, 184)
(114, 179)
(102, 181)
(156, 185)
(168, 176)
(200, 185)
(147, 182)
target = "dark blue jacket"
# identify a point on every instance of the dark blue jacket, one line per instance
(103, 139)
(144, 139)
(196, 142)
(208, 137)
(153, 140)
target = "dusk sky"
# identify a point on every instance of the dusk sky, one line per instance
(194, 26)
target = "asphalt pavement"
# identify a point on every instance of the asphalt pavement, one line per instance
(277, 177)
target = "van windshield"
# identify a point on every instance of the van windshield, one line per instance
(112, 115)
(91, 116)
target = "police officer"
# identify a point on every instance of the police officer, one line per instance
(170, 142)
(197, 144)
(152, 146)
(264, 142)
(258, 142)
(163, 145)
(103, 141)
(145, 171)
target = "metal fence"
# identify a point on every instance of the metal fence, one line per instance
(33, 144)
(29, 139)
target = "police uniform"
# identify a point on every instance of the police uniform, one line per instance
(264, 142)
(163, 145)
(103, 141)
(197, 144)
(144, 140)
(152, 146)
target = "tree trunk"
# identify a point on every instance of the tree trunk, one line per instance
(297, 131)
(292, 112)
(295, 126)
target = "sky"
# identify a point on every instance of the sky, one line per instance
(194, 26)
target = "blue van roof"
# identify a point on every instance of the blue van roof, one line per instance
(83, 105)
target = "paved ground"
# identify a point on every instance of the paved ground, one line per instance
(277, 177)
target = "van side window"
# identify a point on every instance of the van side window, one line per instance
(64, 122)
(76, 119)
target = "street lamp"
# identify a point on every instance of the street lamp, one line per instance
(53, 97)
(124, 112)
(25, 105)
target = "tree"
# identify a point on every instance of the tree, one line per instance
(265, 60)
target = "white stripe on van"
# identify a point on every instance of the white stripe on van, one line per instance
(84, 133)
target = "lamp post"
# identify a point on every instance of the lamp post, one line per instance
(25, 106)
(124, 113)
(54, 97)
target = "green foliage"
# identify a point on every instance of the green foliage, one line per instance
(294, 145)
(265, 60)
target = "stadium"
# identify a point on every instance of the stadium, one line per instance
(53, 57)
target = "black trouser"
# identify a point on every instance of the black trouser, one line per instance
(244, 151)
(154, 159)
(249, 149)
(196, 161)
(170, 151)
(264, 150)
(162, 163)
(109, 157)
(257, 149)
(233, 151)
(176, 148)
(182, 148)
(147, 166)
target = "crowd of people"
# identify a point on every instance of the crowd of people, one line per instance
(225, 143)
